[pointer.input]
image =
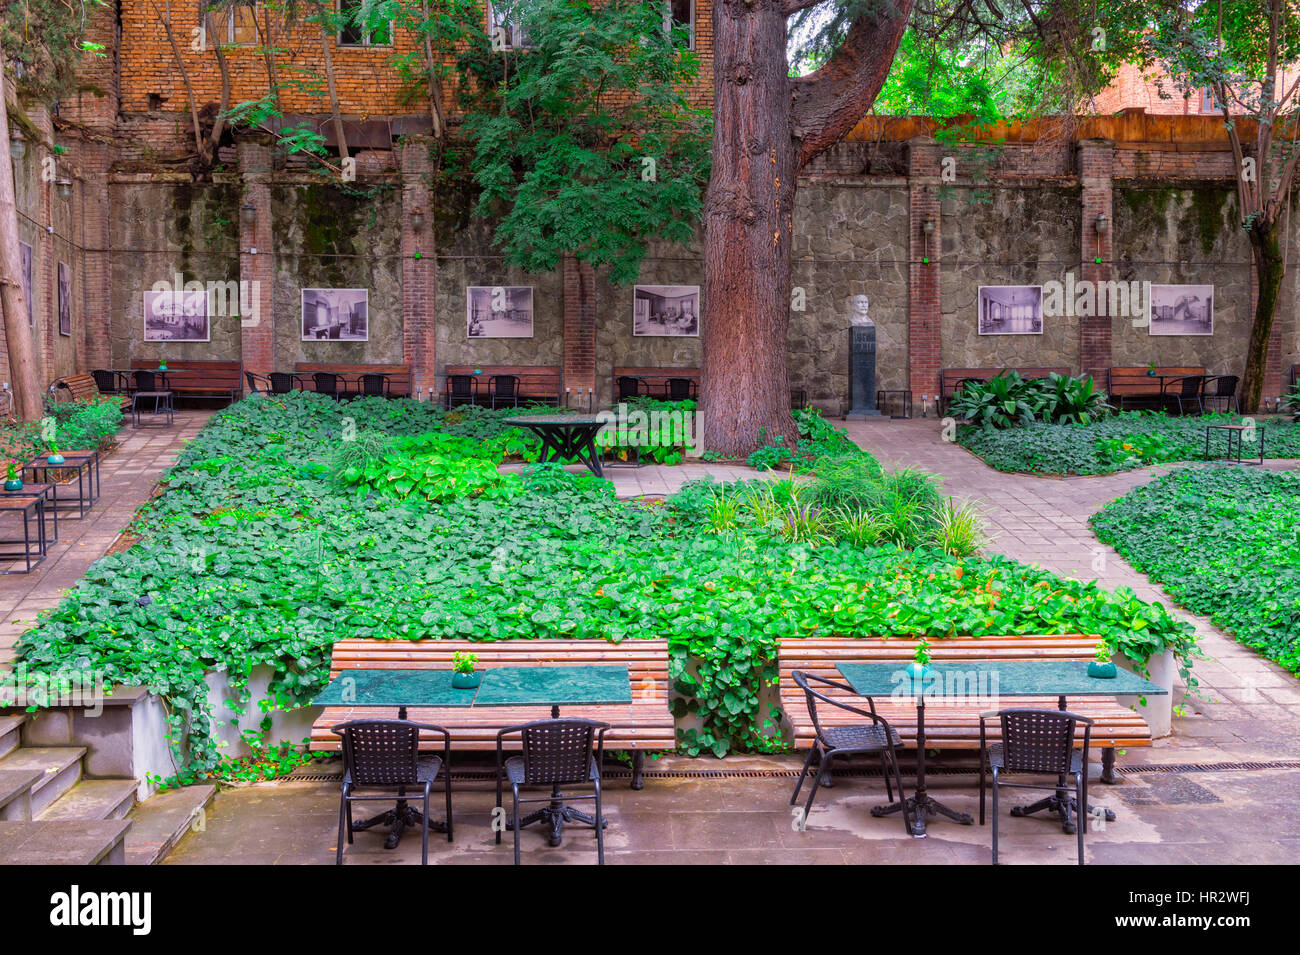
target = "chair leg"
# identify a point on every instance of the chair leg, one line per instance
(902, 793)
(424, 828)
(1081, 822)
(496, 816)
(983, 786)
(884, 769)
(995, 817)
(349, 822)
(822, 770)
(812, 750)
(446, 785)
(600, 829)
(343, 807)
(514, 814)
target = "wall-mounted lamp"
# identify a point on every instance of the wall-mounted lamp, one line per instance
(17, 143)
(63, 189)
(417, 220)
(1102, 224)
(248, 212)
(927, 229)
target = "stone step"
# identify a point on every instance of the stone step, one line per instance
(10, 733)
(16, 794)
(160, 822)
(59, 766)
(94, 799)
(64, 842)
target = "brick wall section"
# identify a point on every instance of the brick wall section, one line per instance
(579, 329)
(96, 282)
(419, 274)
(923, 320)
(1095, 167)
(258, 341)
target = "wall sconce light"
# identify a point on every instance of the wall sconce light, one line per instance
(17, 143)
(248, 212)
(1102, 224)
(417, 220)
(927, 230)
(63, 188)
(928, 227)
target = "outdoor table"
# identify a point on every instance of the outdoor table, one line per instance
(500, 686)
(1235, 432)
(49, 490)
(566, 436)
(1059, 678)
(86, 466)
(30, 506)
(162, 404)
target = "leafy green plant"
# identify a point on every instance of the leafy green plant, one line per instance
(463, 662)
(1103, 652)
(961, 529)
(1010, 401)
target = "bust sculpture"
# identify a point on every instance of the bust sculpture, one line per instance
(861, 311)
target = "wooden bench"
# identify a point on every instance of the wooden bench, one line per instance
(645, 724)
(950, 379)
(199, 378)
(83, 388)
(538, 384)
(1136, 386)
(399, 376)
(656, 380)
(954, 725)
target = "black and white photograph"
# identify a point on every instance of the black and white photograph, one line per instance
(335, 314)
(666, 310)
(25, 257)
(65, 299)
(1011, 310)
(499, 311)
(1181, 310)
(176, 316)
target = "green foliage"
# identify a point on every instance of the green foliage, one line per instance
(1085, 449)
(43, 42)
(592, 147)
(1223, 542)
(1009, 401)
(649, 429)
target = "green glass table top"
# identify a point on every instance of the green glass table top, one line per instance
(393, 688)
(553, 420)
(989, 678)
(556, 686)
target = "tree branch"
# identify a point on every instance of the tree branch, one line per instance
(791, 7)
(829, 102)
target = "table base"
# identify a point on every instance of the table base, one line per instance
(915, 806)
(398, 819)
(1065, 806)
(555, 816)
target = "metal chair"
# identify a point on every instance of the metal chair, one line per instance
(385, 754)
(373, 384)
(1037, 742)
(282, 382)
(680, 389)
(108, 382)
(145, 381)
(556, 752)
(630, 386)
(876, 738)
(253, 382)
(1215, 388)
(461, 390)
(326, 383)
(504, 389)
(1185, 390)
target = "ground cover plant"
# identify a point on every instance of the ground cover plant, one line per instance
(69, 426)
(1223, 541)
(1010, 401)
(293, 521)
(1118, 442)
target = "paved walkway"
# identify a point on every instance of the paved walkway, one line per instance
(127, 478)
(1253, 706)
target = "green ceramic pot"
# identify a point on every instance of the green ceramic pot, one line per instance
(466, 681)
(55, 459)
(1102, 671)
(919, 670)
(13, 484)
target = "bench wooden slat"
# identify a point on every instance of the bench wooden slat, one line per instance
(543, 383)
(399, 376)
(83, 388)
(1134, 384)
(199, 378)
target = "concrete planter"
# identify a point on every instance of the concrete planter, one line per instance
(292, 725)
(1159, 710)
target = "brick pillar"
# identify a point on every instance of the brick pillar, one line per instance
(924, 333)
(1096, 159)
(419, 269)
(46, 250)
(579, 328)
(257, 340)
(96, 280)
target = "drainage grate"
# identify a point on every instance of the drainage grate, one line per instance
(1180, 768)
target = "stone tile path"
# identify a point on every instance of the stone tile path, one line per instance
(127, 478)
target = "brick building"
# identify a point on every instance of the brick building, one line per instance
(890, 213)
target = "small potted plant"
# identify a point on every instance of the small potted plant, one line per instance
(1151, 369)
(162, 364)
(920, 665)
(463, 676)
(1102, 668)
(12, 481)
(55, 457)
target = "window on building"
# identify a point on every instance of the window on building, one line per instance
(236, 23)
(680, 13)
(504, 29)
(355, 34)
(1209, 104)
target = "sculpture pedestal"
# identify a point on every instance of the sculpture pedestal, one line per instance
(862, 374)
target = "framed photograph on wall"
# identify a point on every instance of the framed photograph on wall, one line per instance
(1181, 310)
(1011, 310)
(499, 311)
(65, 299)
(177, 316)
(666, 310)
(25, 258)
(335, 314)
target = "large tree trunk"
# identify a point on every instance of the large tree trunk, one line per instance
(18, 337)
(747, 213)
(1269, 269)
(766, 127)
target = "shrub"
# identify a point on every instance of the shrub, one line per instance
(1009, 401)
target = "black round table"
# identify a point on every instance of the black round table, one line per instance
(566, 436)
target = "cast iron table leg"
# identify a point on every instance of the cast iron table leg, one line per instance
(922, 803)
(400, 816)
(1062, 802)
